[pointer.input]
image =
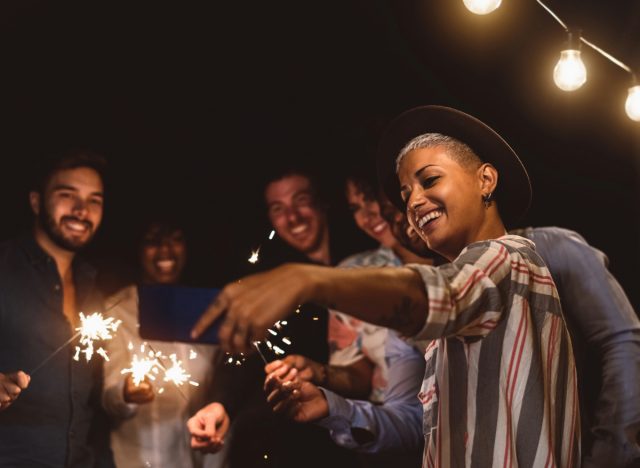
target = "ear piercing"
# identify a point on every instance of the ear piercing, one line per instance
(487, 199)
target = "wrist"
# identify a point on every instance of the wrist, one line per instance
(313, 287)
(321, 375)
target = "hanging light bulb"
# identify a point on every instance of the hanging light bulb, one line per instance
(570, 72)
(481, 7)
(632, 105)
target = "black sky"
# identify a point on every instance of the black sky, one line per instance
(193, 102)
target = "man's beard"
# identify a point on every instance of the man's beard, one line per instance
(54, 232)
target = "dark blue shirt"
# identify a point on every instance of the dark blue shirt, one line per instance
(49, 424)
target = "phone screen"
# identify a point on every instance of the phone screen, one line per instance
(169, 312)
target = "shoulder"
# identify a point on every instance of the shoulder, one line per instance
(493, 249)
(13, 254)
(381, 256)
(509, 255)
(558, 244)
(9, 247)
(125, 299)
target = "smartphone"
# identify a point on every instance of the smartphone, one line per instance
(169, 312)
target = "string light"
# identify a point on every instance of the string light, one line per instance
(632, 105)
(570, 73)
(482, 7)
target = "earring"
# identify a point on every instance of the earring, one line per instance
(487, 199)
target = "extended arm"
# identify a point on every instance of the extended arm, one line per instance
(391, 297)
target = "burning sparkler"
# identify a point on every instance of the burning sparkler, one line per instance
(141, 369)
(255, 256)
(92, 327)
(177, 374)
(238, 360)
(150, 366)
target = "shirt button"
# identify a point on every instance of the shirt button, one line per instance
(57, 287)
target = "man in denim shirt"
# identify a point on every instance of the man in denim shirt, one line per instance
(48, 418)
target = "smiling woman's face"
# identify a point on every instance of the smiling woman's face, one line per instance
(367, 215)
(443, 198)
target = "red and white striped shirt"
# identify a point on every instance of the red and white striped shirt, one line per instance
(500, 384)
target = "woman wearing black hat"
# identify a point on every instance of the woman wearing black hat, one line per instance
(500, 385)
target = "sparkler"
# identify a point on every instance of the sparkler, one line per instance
(255, 254)
(177, 374)
(142, 368)
(234, 359)
(257, 345)
(92, 327)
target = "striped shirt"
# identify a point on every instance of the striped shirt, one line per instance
(500, 384)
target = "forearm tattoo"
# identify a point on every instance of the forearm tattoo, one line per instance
(400, 317)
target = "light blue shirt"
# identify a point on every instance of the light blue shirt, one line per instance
(395, 425)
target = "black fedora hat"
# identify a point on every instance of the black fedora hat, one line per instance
(513, 192)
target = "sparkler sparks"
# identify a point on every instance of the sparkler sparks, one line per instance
(255, 256)
(141, 368)
(150, 366)
(94, 327)
(177, 374)
(238, 360)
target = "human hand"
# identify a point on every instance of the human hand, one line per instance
(139, 394)
(307, 369)
(255, 303)
(11, 385)
(297, 399)
(208, 428)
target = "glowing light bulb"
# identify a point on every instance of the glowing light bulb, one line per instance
(632, 105)
(570, 72)
(482, 7)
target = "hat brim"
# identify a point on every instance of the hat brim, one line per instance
(513, 193)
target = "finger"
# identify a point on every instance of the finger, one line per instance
(273, 379)
(193, 425)
(21, 379)
(293, 360)
(225, 333)
(210, 315)
(197, 429)
(272, 366)
(240, 339)
(280, 393)
(199, 443)
(11, 389)
(289, 405)
(223, 427)
(210, 425)
(270, 383)
(206, 446)
(290, 376)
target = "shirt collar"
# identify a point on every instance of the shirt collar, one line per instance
(37, 256)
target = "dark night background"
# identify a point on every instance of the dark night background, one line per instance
(192, 103)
